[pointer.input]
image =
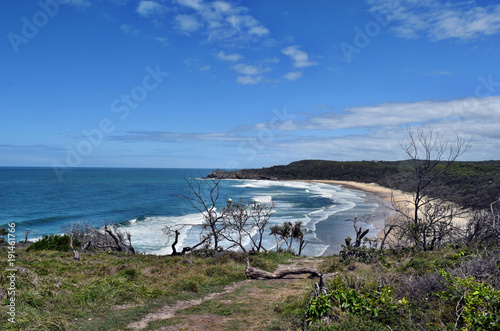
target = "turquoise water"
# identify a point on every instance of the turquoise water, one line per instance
(143, 201)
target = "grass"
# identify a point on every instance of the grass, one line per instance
(108, 291)
(55, 292)
(406, 290)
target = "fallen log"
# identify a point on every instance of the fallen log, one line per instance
(256, 273)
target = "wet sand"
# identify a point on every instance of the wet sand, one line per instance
(382, 196)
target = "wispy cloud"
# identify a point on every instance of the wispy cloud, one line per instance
(174, 137)
(229, 57)
(294, 75)
(252, 74)
(38, 147)
(247, 69)
(148, 8)
(299, 57)
(439, 73)
(187, 23)
(374, 132)
(249, 80)
(129, 29)
(440, 20)
(224, 22)
(474, 114)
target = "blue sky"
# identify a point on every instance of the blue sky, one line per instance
(220, 84)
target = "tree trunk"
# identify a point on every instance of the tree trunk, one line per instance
(255, 273)
(174, 251)
(120, 245)
(76, 253)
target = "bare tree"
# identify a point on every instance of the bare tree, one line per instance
(174, 231)
(360, 234)
(242, 219)
(204, 195)
(113, 238)
(261, 213)
(27, 234)
(390, 224)
(484, 226)
(427, 218)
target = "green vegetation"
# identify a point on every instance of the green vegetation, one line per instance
(448, 288)
(439, 290)
(107, 291)
(52, 242)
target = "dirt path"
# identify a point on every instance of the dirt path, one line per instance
(248, 305)
(169, 311)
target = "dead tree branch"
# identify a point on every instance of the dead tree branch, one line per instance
(256, 273)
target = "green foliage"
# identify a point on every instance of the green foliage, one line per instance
(3, 232)
(52, 242)
(318, 307)
(349, 254)
(377, 304)
(477, 304)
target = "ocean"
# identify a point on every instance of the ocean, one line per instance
(144, 201)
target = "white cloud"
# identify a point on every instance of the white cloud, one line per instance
(246, 69)
(259, 30)
(148, 8)
(187, 23)
(162, 40)
(299, 57)
(161, 136)
(473, 111)
(225, 22)
(205, 68)
(294, 75)
(194, 4)
(440, 20)
(249, 80)
(361, 133)
(229, 57)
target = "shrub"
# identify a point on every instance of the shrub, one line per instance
(378, 304)
(349, 254)
(52, 242)
(318, 307)
(477, 304)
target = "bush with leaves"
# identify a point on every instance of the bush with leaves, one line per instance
(52, 242)
(378, 304)
(350, 254)
(318, 307)
(477, 304)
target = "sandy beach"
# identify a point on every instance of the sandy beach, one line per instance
(383, 196)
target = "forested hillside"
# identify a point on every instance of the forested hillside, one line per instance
(478, 183)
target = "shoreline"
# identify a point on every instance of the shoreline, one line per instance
(385, 198)
(382, 196)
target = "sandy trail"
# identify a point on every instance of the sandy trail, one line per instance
(170, 311)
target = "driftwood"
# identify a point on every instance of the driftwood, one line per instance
(256, 273)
